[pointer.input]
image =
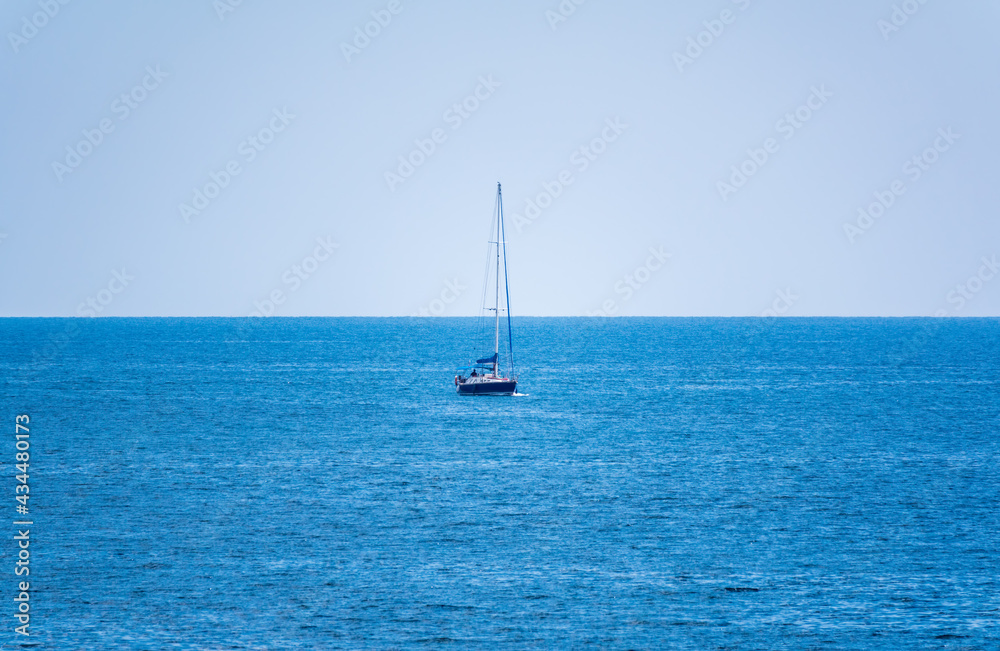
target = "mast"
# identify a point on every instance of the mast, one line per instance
(496, 309)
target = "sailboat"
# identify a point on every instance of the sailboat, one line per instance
(486, 377)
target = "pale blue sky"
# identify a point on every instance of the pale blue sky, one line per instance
(777, 241)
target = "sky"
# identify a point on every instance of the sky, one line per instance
(718, 158)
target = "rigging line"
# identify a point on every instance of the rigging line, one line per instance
(506, 285)
(480, 331)
(496, 304)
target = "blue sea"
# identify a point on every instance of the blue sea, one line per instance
(683, 483)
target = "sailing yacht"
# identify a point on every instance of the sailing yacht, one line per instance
(486, 377)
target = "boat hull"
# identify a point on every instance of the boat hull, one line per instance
(497, 388)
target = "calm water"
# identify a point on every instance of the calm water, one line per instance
(666, 483)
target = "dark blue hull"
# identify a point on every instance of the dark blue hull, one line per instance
(503, 388)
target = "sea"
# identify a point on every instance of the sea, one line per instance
(660, 483)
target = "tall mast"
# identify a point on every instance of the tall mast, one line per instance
(496, 340)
